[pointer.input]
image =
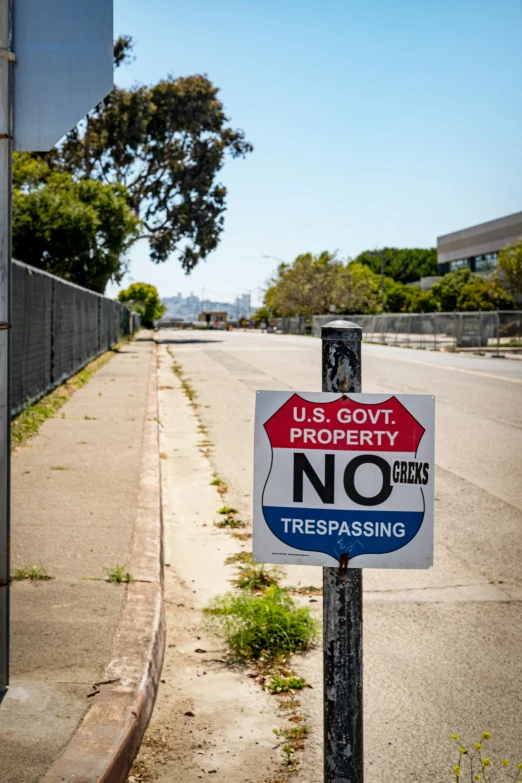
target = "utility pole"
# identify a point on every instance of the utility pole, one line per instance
(342, 597)
(6, 150)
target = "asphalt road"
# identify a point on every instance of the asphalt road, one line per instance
(441, 647)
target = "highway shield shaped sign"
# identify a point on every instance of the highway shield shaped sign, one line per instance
(344, 474)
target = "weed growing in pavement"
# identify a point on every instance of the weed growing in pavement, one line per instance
(267, 626)
(281, 684)
(242, 536)
(59, 467)
(295, 733)
(227, 510)
(188, 389)
(309, 590)
(472, 763)
(256, 577)
(288, 752)
(238, 557)
(32, 574)
(229, 522)
(89, 418)
(118, 574)
(216, 482)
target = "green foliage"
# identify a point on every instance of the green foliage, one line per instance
(311, 285)
(403, 265)
(144, 299)
(266, 626)
(263, 313)
(282, 684)
(77, 229)
(227, 510)
(255, 576)
(118, 575)
(462, 290)
(509, 268)
(31, 574)
(166, 144)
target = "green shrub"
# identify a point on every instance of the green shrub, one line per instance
(286, 684)
(261, 626)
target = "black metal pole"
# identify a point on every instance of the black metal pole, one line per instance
(342, 598)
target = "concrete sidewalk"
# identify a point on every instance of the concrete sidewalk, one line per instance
(74, 506)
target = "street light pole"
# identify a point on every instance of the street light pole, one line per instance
(382, 283)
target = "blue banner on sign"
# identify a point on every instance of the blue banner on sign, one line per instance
(337, 531)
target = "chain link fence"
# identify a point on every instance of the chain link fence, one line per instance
(57, 329)
(436, 331)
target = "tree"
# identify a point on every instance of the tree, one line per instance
(463, 290)
(166, 145)
(78, 230)
(509, 268)
(144, 299)
(403, 265)
(312, 285)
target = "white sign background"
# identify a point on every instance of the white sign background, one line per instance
(317, 541)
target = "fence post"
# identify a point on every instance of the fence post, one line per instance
(342, 597)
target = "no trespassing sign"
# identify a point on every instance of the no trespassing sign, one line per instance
(344, 474)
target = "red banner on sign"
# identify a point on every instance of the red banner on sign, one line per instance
(344, 425)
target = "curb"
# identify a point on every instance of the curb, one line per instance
(106, 742)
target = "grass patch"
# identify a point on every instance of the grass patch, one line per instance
(282, 684)
(295, 733)
(59, 467)
(261, 627)
(118, 575)
(227, 510)
(230, 522)
(32, 574)
(216, 482)
(256, 577)
(28, 422)
(238, 557)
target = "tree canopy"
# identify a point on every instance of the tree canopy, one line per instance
(405, 265)
(314, 285)
(509, 268)
(144, 299)
(166, 145)
(77, 229)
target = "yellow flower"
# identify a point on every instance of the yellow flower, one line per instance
(519, 766)
(455, 736)
(486, 735)
(504, 762)
(478, 745)
(486, 763)
(477, 775)
(462, 750)
(456, 770)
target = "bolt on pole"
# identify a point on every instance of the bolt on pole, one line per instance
(6, 147)
(342, 597)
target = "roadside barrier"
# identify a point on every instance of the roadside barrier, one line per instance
(57, 328)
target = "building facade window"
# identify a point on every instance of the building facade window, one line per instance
(460, 263)
(486, 263)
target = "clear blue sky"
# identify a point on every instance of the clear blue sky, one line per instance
(374, 122)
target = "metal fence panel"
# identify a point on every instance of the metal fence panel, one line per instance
(57, 328)
(437, 331)
(31, 335)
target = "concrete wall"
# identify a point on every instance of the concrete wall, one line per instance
(478, 240)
